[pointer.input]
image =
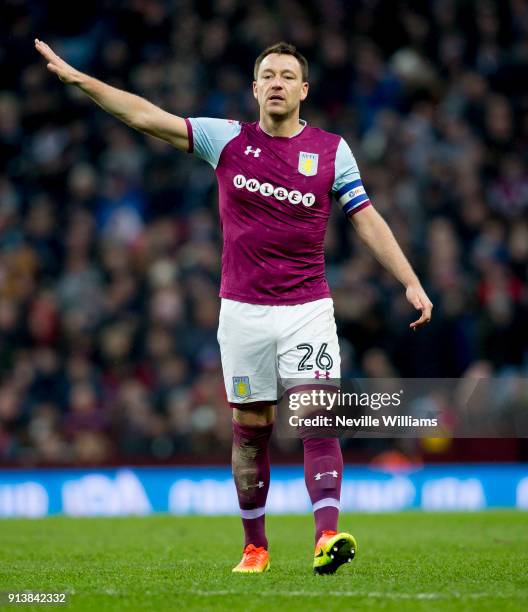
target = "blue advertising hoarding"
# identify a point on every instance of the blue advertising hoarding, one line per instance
(210, 490)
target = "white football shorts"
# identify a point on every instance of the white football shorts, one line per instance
(261, 345)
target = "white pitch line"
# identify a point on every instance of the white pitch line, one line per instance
(372, 594)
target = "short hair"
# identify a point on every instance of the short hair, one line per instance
(283, 48)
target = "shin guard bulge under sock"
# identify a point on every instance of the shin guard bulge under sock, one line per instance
(323, 472)
(251, 472)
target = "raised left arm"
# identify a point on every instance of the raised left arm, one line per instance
(378, 237)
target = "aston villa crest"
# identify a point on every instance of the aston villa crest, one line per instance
(241, 386)
(308, 163)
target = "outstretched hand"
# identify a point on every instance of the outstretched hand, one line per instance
(418, 298)
(65, 72)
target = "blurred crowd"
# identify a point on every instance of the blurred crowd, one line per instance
(110, 243)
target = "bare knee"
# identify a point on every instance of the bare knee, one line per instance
(257, 415)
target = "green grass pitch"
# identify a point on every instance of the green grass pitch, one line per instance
(406, 561)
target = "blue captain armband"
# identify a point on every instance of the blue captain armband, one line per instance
(352, 197)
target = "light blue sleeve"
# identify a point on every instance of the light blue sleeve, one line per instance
(208, 137)
(348, 188)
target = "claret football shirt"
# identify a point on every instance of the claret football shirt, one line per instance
(275, 195)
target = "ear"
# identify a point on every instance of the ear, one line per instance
(255, 95)
(304, 91)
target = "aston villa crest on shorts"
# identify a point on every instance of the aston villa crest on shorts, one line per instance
(308, 163)
(241, 386)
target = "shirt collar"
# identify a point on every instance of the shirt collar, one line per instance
(302, 125)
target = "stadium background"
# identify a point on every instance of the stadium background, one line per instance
(110, 244)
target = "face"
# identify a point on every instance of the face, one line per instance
(279, 88)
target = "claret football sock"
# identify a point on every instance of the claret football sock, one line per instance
(251, 471)
(323, 472)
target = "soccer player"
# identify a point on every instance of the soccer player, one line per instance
(276, 180)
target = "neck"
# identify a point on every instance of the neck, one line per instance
(280, 126)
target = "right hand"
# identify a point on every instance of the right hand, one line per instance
(65, 72)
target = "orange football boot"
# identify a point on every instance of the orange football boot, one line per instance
(254, 560)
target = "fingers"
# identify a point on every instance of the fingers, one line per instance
(418, 298)
(425, 318)
(421, 321)
(42, 48)
(45, 50)
(55, 64)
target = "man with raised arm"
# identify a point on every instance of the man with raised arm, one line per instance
(276, 179)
